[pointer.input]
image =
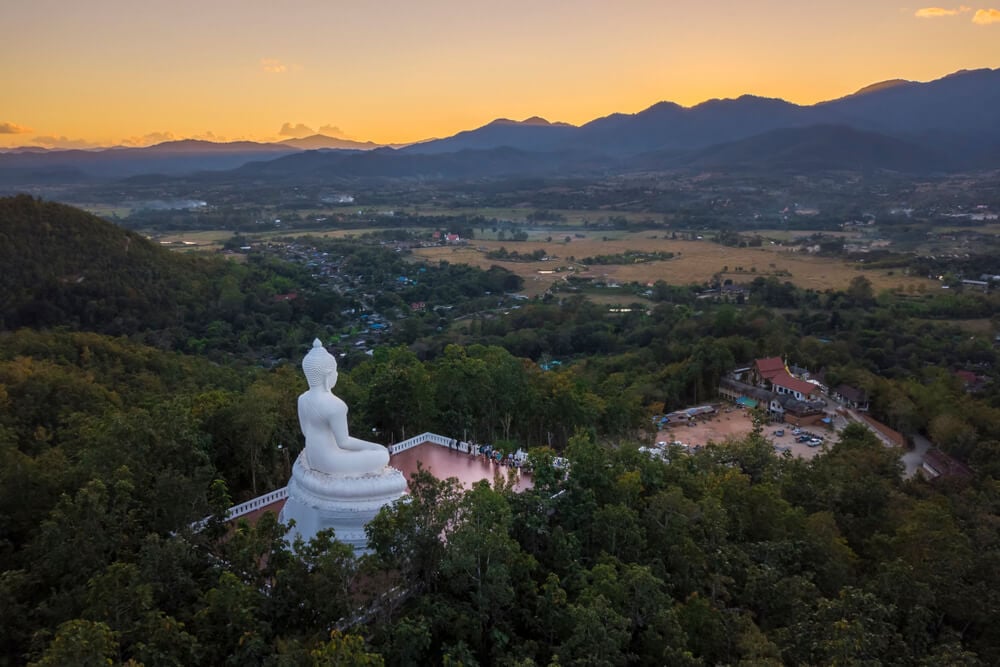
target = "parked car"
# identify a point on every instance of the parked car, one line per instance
(780, 432)
(815, 442)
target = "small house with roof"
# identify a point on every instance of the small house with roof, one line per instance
(937, 464)
(970, 381)
(852, 397)
(798, 412)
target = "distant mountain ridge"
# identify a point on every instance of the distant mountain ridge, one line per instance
(321, 141)
(808, 149)
(533, 134)
(947, 124)
(966, 102)
(171, 157)
(389, 164)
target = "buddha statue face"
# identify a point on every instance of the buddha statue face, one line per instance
(320, 367)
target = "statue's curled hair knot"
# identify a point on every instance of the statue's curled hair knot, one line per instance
(318, 364)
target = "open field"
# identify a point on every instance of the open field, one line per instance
(200, 238)
(200, 241)
(694, 262)
(610, 298)
(992, 229)
(105, 210)
(213, 239)
(520, 214)
(330, 234)
(794, 234)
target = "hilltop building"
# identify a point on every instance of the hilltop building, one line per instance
(769, 386)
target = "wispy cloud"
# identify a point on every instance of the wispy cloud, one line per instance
(938, 12)
(986, 16)
(13, 128)
(208, 135)
(149, 139)
(50, 141)
(331, 131)
(273, 66)
(298, 130)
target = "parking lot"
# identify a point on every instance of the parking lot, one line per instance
(735, 423)
(794, 441)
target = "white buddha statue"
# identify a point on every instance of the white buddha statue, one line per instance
(323, 418)
(338, 481)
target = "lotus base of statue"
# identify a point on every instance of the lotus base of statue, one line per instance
(319, 500)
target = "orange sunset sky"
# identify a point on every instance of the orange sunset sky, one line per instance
(103, 72)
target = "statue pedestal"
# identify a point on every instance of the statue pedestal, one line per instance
(318, 500)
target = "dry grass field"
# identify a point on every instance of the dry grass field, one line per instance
(212, 240)
(200, 241)
(519, 214)
(694, 262)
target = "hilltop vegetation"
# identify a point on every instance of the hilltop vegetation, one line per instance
(66, 268)
(729, 555)
(110, 448)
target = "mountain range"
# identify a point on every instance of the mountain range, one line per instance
(949, 124)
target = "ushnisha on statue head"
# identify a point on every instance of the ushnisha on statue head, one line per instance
(320, 367)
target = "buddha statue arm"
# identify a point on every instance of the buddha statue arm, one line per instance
(338, 424)
(357, 444)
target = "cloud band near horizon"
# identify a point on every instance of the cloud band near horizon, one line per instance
(981, 17)
(13, 128)
(986, 16)
(938, 12)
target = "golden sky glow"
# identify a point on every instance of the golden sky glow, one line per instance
(126, 72)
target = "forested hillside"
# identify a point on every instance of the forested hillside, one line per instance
(114, 440)
(66, 268)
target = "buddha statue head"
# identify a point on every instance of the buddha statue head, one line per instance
(319, 366)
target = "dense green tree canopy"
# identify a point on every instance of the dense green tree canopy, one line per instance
(135, 419)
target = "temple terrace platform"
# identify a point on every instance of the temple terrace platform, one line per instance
(442, 457)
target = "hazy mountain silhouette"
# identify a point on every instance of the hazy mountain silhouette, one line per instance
(950, 123)
(962, 104)
(320, 141)
(172, 157)
(670, 126)
(387, 163)
(882, 85)
(805, 149)
(532, 134)
(966, 102)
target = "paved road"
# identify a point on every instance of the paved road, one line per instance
(912, 459)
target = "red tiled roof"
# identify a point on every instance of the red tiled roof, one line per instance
(769, 367)
(788, 382)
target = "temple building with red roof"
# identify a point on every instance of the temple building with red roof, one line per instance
(772, 374)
